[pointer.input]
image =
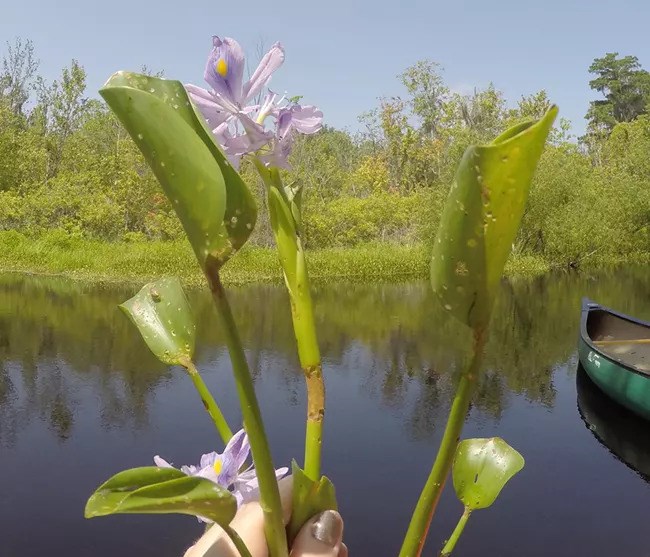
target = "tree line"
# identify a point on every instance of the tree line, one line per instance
(66, 164)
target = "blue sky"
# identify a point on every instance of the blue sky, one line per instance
(343, 55)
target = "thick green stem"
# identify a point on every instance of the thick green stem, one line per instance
(426, 505)
(208, 402)
(314, 428)
(252, 417)
(237, 542)
(451, 542)
(304, 326)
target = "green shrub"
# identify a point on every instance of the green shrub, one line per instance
(379, 217)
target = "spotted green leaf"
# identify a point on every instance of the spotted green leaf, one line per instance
(214, 205)
(481, 218)
(153, 490)
(309, 499)
(162, 314)
(481, 468)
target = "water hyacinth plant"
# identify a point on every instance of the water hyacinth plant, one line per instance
(227, 469)
(194, 139)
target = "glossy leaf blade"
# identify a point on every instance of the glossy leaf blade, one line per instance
(162, 314)
(309, 499)
(214, 205)
(482, 467)
(481, 219)
(153, 490)
(111, 493)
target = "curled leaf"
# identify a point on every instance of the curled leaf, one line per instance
(309, 498)
(481, 219)
(214, 205)
(286, 235)
(153, 490)
(162, 314)
(482, 467)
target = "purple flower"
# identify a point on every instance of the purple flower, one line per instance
(290, 118)
(235, 143)
(225, 106)
(238, 126)
(224, 72)
(225, 469)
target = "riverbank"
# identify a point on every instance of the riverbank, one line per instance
(137, 262)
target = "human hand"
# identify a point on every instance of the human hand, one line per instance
(321, 536)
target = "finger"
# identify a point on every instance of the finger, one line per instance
(249, 520)
(248, 523)
(214, 543)
(320, 537)
(343, 552)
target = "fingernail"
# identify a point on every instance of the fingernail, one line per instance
(328, 528)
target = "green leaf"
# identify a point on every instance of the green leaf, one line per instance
(294, 196)
(284, 228)
(481, 468)
(162, 314)
(214, 205)
(309, 499)
(153, 490)
(481, 219)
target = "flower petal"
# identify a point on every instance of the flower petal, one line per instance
(281, 472)
(224, 69)
(271, 61)
(279, 155)
(234, 160)
(236, 146)
(225, 139)
(246, 492)
(237, 442)
(247, 476)
(306, 119)
(189, 470)
(206, 102)
(256, 134)
(233, 458)
(241, 144)
(208, 459)
(246, 488)
(268, 106)
(284, 122)
(208, 473)
(161, 462)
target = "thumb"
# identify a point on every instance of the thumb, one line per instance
(320, 537)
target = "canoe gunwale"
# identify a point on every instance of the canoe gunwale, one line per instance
(589, 306)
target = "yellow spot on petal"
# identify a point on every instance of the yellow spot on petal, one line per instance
(217, 466)
(222, 67)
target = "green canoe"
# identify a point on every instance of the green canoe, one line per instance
(621, 432)
(615, 352)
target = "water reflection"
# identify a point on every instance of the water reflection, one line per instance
(81, 397)
(55, 334)
(617, 429)
(409, 345)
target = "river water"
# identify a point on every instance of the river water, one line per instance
(81, 398)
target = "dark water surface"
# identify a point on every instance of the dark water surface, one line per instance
(81, 398)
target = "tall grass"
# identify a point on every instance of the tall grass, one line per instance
(58, 253)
